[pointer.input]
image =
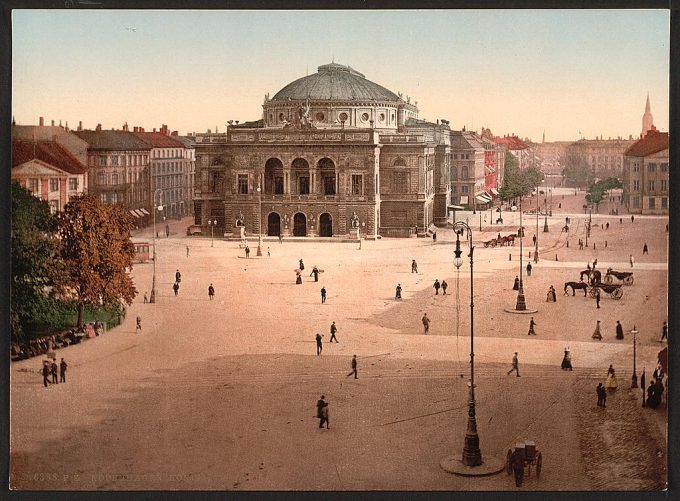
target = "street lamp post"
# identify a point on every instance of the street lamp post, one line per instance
(634, 379)
(538, 210)
(472, 455)
(212, 223)
(259, 218)
(545, 224)
(521, 301)
(152, 299)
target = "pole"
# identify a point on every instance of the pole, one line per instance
(538, 210)
(259, 219)
(521, 304)
(212, 233)
(152, 299)
(480, 220)
(634, 379)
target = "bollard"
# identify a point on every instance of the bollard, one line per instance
(556, 258)
(594, 246)
(605, 244)
(529, 254)
(567, 244)
(510, 257)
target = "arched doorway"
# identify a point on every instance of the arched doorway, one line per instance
(299, 225)
(274, 225)
(325, 225)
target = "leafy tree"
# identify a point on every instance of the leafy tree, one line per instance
(597, 191)
(97, 252)
(518, 183)
(34, 264)
(577, 170)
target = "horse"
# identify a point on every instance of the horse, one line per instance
(574, 286)
(594, 276)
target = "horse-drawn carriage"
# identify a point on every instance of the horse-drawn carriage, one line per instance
(506, 240)
(530, 456)
(625, 276)
(612, 290)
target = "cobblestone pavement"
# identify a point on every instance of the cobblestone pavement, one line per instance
(221, 394)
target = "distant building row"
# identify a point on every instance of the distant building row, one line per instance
(137, 169)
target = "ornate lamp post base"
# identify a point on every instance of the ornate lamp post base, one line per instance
(545, 225)
(521, 302)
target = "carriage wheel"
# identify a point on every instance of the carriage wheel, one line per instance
(508, 464)
(608, 279)
(628, 280)
(539, 463)
(617, 293)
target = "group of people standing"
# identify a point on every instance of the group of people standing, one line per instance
(50, 369)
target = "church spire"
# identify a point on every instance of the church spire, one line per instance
(647, 119)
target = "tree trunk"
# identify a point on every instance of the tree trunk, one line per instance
(81, 311)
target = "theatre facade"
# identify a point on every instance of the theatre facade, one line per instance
(329, 146)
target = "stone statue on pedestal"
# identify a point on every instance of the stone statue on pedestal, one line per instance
(240, 219)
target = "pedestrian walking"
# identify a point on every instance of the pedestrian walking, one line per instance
(426, 323)
(620, 220)
(436, 286)
(601, 395)
(397, 293)
(298, 277)
(178, 276)
(664, 332)
(167, 231)
(211, 292)
(632, 261)
(597, 297)
(323, 295)
(280, 238)
(320, 404)
(46, 373)
(645, 249)
(566, 360)
(302, 265)
(319, 346)
(334, 329)
(612, 383)
(324, 417)
(434, 236)
(269, 254)
(315, 273)
(532, 324)
(607, 225)
(187, 251)
(247, 252)
(597, 334)
(53, 371)
(515, 286)
(515, 365)
(619, 330)
(444, 286)
(517, 462)
(146, 299)
(354, 367)
(138, 328)
(414, 266)
(534, 239)
(632, 219)
(62, 371)
(529, 269)
(175, 287)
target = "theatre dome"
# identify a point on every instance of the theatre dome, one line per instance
(336, 96)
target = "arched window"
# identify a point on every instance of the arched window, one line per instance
(399, 162)
(464, 173)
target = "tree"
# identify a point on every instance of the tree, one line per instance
(577, 170)
(97, 252)
(518, 183)
(596, 191)
(34, 263)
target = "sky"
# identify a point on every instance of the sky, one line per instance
(570, 73)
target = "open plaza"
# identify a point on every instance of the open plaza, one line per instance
(221, 394)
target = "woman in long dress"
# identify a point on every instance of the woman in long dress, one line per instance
(566, 361)
(612, 384)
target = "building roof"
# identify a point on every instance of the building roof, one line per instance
(46, 151)
(112, 140)
(188, 142)
(512, 142)
(653, 142)
(159, 140)
(335, 82)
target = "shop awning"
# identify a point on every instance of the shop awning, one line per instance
(139, 213)
(494, 191)
(455, 207)
(144, 211)
(132, 211)
(481, 199)
(463, 199)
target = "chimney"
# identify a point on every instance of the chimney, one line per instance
(66, 127)
(80, 125)
(59, 123)
(154, 129)
(125, 127)
(52, 123)
(42, 121)
(99, 127)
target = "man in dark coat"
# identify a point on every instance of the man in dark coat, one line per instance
(53, 371)
(178, 276)
(319, 346)
(517, 462)
(619, 330)
(320, 404)
(302, 265)
(334, 329)
(601, 395)
(664, 332)
(46, 373)
(436, 286)
(175, 287)
(529, 269)
(62, 371)
(315, 274)
(211, 291)
(444, 286)
(515, 286)
(323, 295)
(532, 324)
(397, 294)
(354, 367)
(597, 297)
(414, 266)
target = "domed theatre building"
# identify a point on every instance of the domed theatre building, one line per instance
(331, 150)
